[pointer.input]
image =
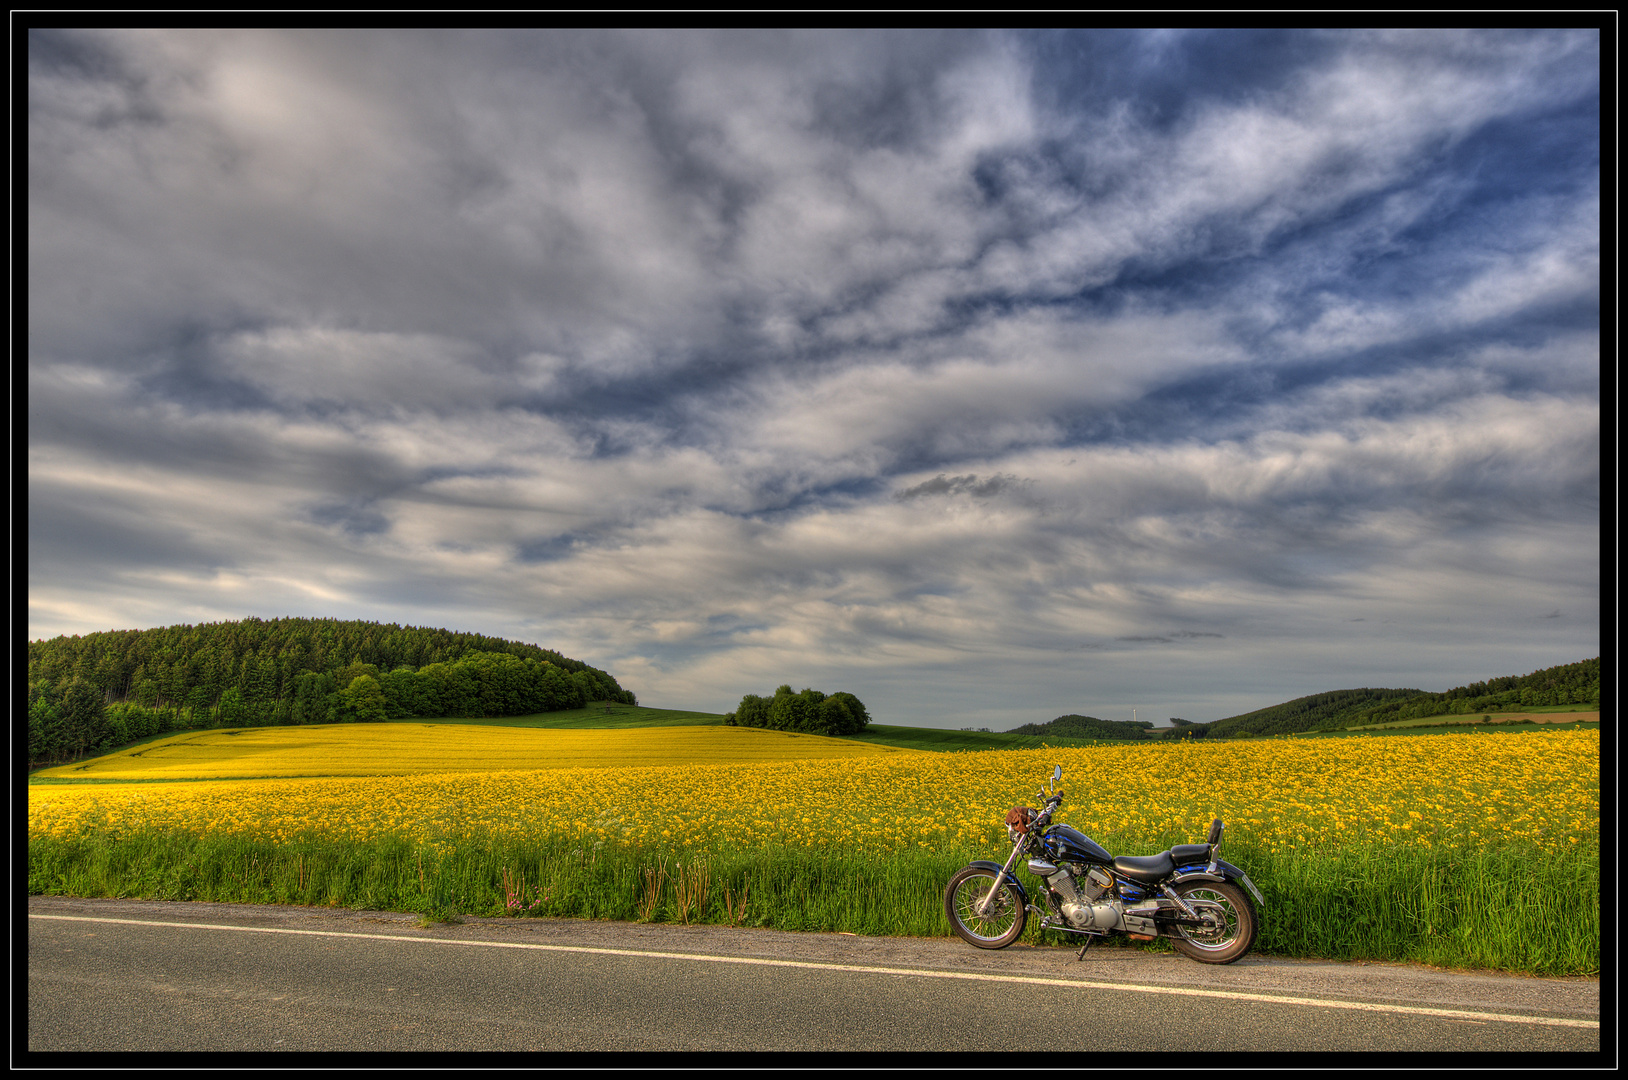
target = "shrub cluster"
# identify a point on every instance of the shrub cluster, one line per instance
(811, 710)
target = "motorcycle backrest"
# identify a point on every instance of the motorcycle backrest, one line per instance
(1215, 832)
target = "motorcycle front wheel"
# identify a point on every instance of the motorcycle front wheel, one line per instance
(993, 927)
(1233, 928)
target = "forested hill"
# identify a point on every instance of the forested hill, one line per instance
(1302, 714)
(1567, 684)
(290, 671)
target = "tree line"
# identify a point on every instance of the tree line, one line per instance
(91, 693)
(809, 710)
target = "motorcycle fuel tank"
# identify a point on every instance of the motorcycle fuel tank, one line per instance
(1072, 845)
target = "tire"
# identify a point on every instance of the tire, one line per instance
(1001, 926)
(1236, 929)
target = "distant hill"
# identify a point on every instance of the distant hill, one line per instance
(1310, 713)
(1074, 726)
(1568, 684)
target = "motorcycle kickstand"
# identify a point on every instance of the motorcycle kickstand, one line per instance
(1089, 939)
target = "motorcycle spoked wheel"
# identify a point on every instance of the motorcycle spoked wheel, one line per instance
(1007, 915)
(1234, 932)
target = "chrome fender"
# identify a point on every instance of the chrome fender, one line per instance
(1223, 871)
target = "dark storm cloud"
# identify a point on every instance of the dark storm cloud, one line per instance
(70, 535)
(716, 358)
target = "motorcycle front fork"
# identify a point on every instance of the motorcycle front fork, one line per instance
(986, 905)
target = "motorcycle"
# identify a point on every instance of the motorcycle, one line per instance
(1186, 894)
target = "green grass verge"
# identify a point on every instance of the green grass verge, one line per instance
(637, 716)
(1509, 910)
(599, 715)
(1437, 726)
(911, 738)
(1506, 718)
(603, 716)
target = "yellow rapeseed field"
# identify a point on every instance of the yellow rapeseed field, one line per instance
(1438, 791)
(405, 749)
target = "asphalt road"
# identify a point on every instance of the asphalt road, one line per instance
(119, 975)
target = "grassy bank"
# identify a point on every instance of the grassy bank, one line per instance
(1504, 909)
(941, 739)
(1548, 716)
(597, 715)
(1437, 725)
(605, 716)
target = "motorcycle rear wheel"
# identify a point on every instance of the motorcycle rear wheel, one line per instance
(1234, 932)
(1001, 925)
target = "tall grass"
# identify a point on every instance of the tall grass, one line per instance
(1505, 909)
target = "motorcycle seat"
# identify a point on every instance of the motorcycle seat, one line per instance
(1154, 867)
(1187, 854)
(1145, 867)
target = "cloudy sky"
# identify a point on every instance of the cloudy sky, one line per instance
(988, 376)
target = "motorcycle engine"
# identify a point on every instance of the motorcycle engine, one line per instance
(1077, 896)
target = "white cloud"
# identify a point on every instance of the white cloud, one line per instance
(626, 342)
(294, 366)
